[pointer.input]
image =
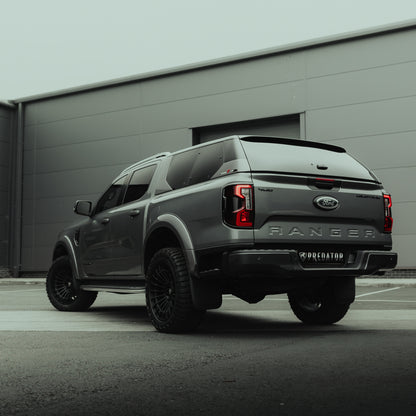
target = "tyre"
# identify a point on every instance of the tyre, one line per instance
(318, 306)
(168, 293)
(62, 291)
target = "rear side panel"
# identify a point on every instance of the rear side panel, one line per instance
(200, 208)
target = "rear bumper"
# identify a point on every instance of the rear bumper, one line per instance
(286, 263)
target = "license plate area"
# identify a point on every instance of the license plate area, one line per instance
(321, 257)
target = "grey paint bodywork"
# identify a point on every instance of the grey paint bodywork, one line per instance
(285, 220)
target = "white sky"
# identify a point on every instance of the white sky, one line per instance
(47, 45)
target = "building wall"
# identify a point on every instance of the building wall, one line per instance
(6, 120)
(358, 94)
(362, 96)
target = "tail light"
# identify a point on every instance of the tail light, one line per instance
(388, 219)
(238, 207)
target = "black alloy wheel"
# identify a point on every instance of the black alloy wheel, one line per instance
(61, 288)
(168, 293)
(162, 292)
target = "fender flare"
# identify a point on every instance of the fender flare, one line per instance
(179, 228)
(67, 245)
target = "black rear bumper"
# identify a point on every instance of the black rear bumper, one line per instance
(286, 263)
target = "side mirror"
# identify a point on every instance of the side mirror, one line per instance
(83, 208)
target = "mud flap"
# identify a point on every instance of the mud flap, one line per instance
(206, 294)
(342, 289)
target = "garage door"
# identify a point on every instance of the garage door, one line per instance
(286, 126)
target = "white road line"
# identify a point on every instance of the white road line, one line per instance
(378, 291)
(388, 301)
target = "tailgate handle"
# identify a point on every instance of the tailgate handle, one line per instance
(323, 183)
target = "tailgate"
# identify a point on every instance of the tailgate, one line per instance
(303, 210)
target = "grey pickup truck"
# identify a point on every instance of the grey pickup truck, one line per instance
(244, 215)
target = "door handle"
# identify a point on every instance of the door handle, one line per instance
(134, 213)
(105, 221)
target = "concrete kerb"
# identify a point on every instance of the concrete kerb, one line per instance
(385, 282)
(22, 280)
(374, 282)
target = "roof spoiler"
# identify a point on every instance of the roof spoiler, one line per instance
(292, 142)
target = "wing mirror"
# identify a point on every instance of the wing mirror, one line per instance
(83, 208)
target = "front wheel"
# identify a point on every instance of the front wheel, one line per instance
(319, 305)
(168, 293)
(63, 293)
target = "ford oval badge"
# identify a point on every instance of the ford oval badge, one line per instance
(326, 202)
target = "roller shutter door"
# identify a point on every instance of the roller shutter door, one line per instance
(287, 126)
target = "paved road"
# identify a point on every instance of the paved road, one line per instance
(244, 360)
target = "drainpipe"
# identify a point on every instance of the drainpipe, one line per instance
(15, 206)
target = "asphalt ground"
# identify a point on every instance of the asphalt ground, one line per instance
(243, 360)
(25, 307)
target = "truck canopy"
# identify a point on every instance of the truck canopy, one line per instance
(301, 157)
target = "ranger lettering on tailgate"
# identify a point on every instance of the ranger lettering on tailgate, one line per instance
(280, 230)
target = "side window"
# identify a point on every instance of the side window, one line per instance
(112, 196)
(209, 160)
(139, 183)
(195, 166)
(180, 169)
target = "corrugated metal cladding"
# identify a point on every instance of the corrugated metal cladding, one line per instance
(284, 126)
(6, 118)
(359, 93)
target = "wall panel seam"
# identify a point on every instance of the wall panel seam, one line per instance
(384, 133)
(352, 104)
(363, 69)
(89, 168)
(165, 102)
(393, 167)
(64, 223)
(85, 140)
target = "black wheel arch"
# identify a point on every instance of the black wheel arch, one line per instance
(169, 231)
(64, 248)
(59, 251)
(160, 237)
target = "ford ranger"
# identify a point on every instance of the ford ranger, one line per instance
(244, 215)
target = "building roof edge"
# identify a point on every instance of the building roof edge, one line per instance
(308, 44)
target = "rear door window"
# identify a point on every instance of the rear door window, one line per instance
(139, 183)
